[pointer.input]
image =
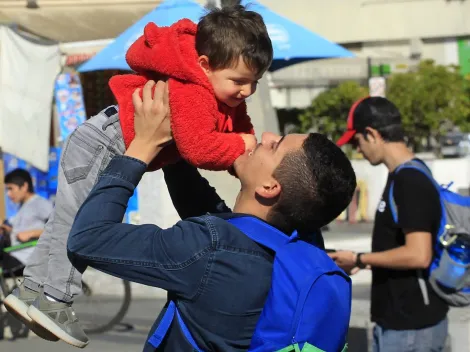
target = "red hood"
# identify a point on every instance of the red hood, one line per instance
(170, 51)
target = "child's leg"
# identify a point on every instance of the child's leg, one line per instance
(35, 272)
(86, 154)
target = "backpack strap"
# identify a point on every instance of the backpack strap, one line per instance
(412, 164)
(159, 334)
(420, 166)
(261, 232)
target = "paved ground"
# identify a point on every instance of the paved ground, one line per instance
(127, 337)
(132, 333)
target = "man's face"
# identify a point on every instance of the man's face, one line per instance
(233, 85)
(370, 148)
(255, 169)
(16, 193)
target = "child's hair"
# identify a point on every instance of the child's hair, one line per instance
(223, 35)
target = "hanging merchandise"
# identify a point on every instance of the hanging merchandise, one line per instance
(69, 103)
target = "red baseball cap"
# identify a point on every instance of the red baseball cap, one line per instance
(350, 130)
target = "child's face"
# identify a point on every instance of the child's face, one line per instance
(231, 85)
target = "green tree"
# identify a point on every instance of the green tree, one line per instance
(329, 110)
(430, 99)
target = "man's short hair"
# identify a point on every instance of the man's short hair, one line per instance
(317, 184)
(377, 113)
(19, 177)
(225, 34)
(382, 115)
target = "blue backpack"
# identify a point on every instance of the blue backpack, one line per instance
(449, 278)
(290, 320)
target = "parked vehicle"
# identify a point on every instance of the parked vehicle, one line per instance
(455, 144)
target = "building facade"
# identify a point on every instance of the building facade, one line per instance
(394, 34)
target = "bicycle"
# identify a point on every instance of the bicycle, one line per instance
(90, 315)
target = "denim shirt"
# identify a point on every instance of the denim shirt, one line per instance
(217, 275)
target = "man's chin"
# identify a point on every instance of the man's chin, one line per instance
(238, 164)
(235, 171)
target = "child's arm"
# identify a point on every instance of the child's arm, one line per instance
(242, 123)
(191, 194)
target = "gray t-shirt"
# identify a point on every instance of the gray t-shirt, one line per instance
(32, 215)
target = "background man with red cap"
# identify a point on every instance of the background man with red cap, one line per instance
(401, 252)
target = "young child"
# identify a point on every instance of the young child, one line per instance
(212, 69)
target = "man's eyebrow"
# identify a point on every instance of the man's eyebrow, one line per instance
(277, 145)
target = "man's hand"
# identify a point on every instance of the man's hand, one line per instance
(27, 236)
(346, 260)
(151, 122)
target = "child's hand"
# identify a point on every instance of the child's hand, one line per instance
(250, 141)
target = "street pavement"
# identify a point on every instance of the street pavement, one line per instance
(131, 334)
(128, 336)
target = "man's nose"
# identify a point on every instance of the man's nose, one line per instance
(269, 137)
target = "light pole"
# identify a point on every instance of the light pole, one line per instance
(214, 3)
(32, 4)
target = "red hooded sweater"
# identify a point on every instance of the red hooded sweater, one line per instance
(201, 125)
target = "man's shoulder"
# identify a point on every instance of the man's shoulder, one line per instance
(228, 236)
(217, 224)
(36, 202)
(313, 259)
(413, 179)
(41, 201)
(212, 225)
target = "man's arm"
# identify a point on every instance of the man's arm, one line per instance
(416, 253)
(29, 235)
(191, 194)
(42, 211)
(419, 213)
(174, 259)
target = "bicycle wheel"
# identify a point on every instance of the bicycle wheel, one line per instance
(104, 302)
(17, 328)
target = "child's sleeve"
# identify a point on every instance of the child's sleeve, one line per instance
(242, 122)
(194, 127)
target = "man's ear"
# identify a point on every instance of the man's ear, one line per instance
(372, 135)
(269, 189)
(203, 61)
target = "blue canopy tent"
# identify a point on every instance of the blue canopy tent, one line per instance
(292, 43)
(113, 57)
